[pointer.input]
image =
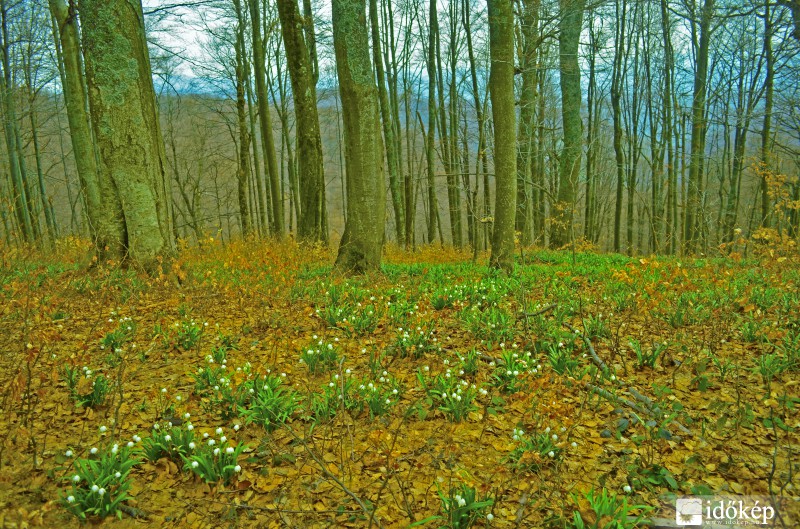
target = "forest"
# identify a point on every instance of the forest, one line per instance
(375, 263)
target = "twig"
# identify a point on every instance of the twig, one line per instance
(597, 360)
(330, 475)
(133, 512)
(632, 405)
(539, 312)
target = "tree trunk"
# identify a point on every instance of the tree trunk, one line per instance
(390, 143)
(243, 167)
(309, 144)
(125, 123)
(362, 242)
(692, 227)
(501, 86)
(570, 163)
(265, 120)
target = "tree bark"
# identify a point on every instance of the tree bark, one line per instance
(362, 242)
(570, 26)
(501, 86)
(125, 123)
(309, 144)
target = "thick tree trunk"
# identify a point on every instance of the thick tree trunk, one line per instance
(363, 238)
(125, 123)
(501, 85)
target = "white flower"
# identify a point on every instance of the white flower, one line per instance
(211, 442)
(76, 478)
(115, 449)
(187, 415)
(163, 390)
(168, 438)
(574, 444)
(490, 517)
(223, 439)
(627, 489)
(195, 464)
(95, 488)
(216, 451)
(93, 451)
(555, 437)
(190, 427)
(219, 431)
(236, 427)
(103, 429)
(137, 439)
(551, 453)
(118, 475)
(237, 468)
(68, 453)
(156, 426)
(229, 450)
(192, 445)
(461, 501)
(70, 499)
(130, 444)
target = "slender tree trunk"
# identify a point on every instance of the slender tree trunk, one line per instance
(243, 168)
(501, 86)
(309, 142)
(616, 96)
(570, 25)
(692, 228)
(390, 143)
(265, 120)
(769, 96)
(433, 205)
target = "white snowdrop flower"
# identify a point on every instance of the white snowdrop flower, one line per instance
(93, 451)
(156, 426)
(236, 427)
(394, 391)
(491, 364)
(76, 478)
(347, 371)
(95, 488)
(613, 377)
(68, 453)
(490, 517)
(195, 464)
(219, 431)
(627, 489)
(192, 445)
(237, 469)
(216, 451)
(574, 444)
(70, 499)
(383, 379)
(223, 439)
(551, 453)
(252, 391)
(118, 475)
(563, 428)
(283, 375)
(168, 438)
(555, 437)
(88, 372)
(547, 430)
(115, 449)
(461, 372)
(187, 415)
(163, 390)
(388, 401)
(229, 450)
(190, 427)
(178, 398)
(211, 442)
(426, 368)
(137, 439)
(461, 501)
(516, 373)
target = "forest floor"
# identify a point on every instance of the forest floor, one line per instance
(566, 393)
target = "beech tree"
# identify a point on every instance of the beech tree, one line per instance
(129, 143)
(362, 241)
